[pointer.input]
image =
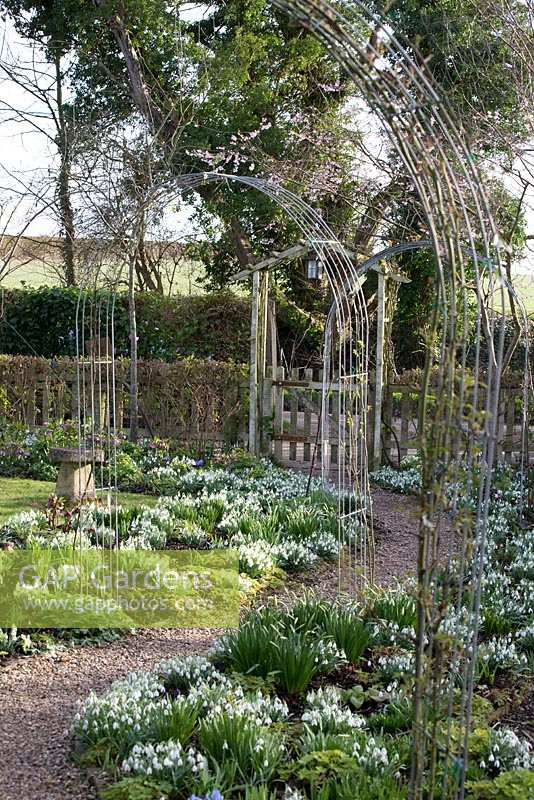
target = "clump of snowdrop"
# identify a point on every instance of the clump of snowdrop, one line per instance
(59, 540)
(405, 481)
(396, 665)
(21, 526)
(187, 672)
(325, 712)
(294, 556)
(498, 654)
(506, 752)
(292, 793)
(324, 545)
(232, 701)
(371, 755)
(167, 760)
(525, 639)
(255, 558)
(123, 713)
(190, 535)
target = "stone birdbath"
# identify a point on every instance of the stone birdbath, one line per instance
(76, 480)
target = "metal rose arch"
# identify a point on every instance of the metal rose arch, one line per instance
(416, 117)
(457, 426)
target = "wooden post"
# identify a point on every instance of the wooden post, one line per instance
(253, 376)
(267, 412)
(278, 425)
(379, 372)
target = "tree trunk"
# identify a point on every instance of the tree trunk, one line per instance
(134, 398)
(63, 181)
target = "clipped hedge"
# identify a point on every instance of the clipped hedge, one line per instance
(42, 322)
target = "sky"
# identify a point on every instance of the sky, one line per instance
(26, 154)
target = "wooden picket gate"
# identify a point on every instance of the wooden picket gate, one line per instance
(293, 431)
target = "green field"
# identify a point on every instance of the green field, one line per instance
(187, 281)
(21, 494)
(525, 286)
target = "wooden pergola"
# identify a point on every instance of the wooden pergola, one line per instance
(263, 339)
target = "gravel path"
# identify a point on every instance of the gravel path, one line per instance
(39, 694)
(396, 525)
(38, 698)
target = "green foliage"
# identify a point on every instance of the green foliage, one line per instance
(393, 606)
(139, 789)
(361, 786)
(259, 793)
(310, 614)
(349, 633)
(268, 645)
(396, 716)
(27, 454)
(129, 475)
(177, 724)
(239, 750)
(494, 624)
(513, 785)
(471, 60)
(28, 642)
(298, 661)
(320, 766)
(43, 322)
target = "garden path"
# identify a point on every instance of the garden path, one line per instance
(39, 696)
(40, 693)
(396, 524)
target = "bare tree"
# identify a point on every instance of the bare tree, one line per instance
(42, 109)
(122, 191)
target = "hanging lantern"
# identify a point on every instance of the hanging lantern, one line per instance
(314, 267)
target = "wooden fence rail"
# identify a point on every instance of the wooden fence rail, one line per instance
(208, 402)
(188, 400)
(292, 416)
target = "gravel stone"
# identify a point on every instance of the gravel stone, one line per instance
(38, 699)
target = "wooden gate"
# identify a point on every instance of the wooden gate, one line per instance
(293, 429)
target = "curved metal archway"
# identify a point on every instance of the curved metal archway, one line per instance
(443, 174)
(429, 144)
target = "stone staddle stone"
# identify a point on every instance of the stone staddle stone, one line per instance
(76, 480)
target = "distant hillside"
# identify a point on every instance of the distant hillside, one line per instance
(48, 248)
(38, 261)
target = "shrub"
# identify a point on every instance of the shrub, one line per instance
(513, 785)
